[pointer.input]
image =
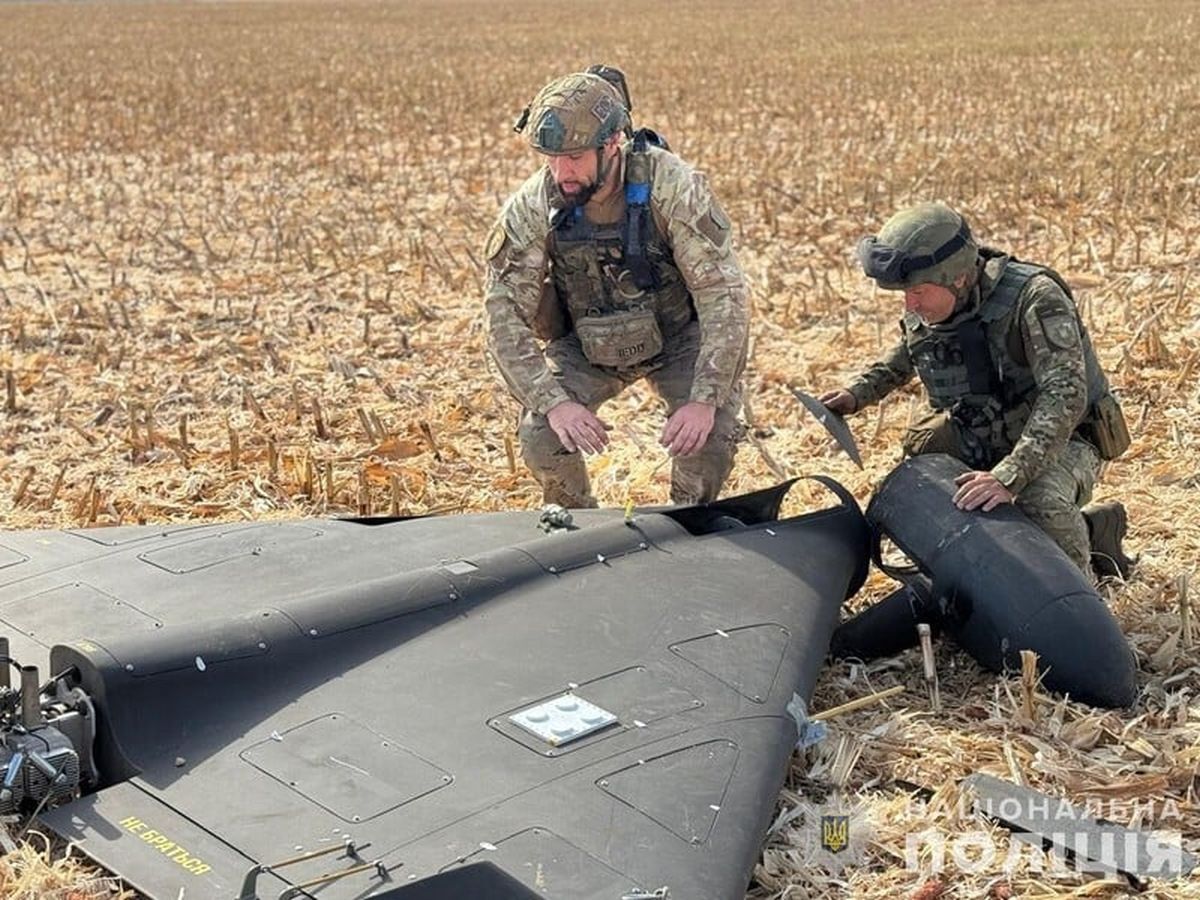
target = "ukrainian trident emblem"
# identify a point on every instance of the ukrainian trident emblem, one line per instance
(835, 833)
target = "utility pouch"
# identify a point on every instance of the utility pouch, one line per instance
(1108, 429)
(620, 340)
(550, 321)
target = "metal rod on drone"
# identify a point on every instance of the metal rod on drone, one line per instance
(5, 681)
(31, 698)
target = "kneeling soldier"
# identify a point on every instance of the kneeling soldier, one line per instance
(1014, 385)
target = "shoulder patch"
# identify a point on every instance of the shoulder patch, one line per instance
(1061, 331)
(495, 241)
(714, 225)
(526, 215)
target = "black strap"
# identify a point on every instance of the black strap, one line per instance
(637, 225)
(941, 254)
(635, 250)
(977, 356)
(900, 573)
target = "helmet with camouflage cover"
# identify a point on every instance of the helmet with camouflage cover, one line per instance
(575, 112)
(927, 243)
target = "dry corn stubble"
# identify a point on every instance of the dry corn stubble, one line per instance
(239, 277)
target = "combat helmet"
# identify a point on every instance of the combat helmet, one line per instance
(927, 243)
(576, 112)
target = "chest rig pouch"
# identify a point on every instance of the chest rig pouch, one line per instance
(976, 371)
(620, 339)
(612, 314)
(955, 365)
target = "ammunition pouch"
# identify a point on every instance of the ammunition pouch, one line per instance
(620, 340)
(550, 322)
(980, 428)
(1105, 427)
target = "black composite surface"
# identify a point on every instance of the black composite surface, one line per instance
(267, 690)
(1004, 585)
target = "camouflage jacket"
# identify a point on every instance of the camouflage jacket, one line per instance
(1029, 387)
(521, 261)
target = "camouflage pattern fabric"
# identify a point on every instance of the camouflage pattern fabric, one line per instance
(521, 259)
(1042, 395)
(594, 283)
(575, 112)
(1026, 433)
(563, 475)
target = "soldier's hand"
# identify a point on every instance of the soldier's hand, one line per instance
(688, 428)
(578, 427)
(978, 490)
(840, 402)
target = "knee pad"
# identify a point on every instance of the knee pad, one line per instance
(933, 433)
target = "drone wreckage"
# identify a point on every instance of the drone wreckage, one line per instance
(441, 707)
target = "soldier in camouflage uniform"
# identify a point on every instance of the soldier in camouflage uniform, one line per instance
(614, 263)
(1014, 385)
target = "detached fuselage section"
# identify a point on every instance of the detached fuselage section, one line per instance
(998, 585)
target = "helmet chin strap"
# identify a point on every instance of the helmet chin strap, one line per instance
(966, 294)
(601, 172)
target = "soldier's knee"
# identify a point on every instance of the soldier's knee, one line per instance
(1058, 518)
(726, 433)
(1062, 521)
(540, 446)
(1051, 495)
(933, 434)
(1081, 466)
(699, 479)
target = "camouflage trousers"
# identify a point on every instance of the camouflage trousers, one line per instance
(1052, 500)
(563, 476)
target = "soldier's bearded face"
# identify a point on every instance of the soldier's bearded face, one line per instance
(932, 302)
(575, 174)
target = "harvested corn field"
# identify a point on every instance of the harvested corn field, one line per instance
(240, 278)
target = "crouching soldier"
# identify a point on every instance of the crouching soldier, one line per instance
(1013, 383)
(614, 263)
